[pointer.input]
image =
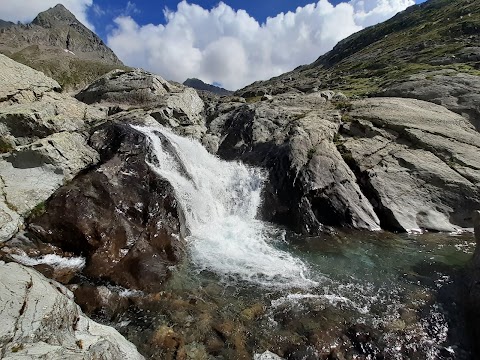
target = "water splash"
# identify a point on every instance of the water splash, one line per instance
(220, 200)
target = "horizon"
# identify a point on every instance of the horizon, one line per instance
(219, 41)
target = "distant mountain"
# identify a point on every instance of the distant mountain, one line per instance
(200, 85)
(56, 43)
(5, 24)
(430, 51)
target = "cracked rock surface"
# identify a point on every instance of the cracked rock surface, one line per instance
(50, 327)
(416, 161)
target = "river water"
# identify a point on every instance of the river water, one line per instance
(248, 286)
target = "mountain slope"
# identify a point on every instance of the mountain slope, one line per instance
(200, 85)
(56, 43)
(428, 40)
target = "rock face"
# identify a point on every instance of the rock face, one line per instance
(121, 216)
(456, 91)
(50, 327)
(21, 83)
(292, 136)
(42, 138)
(417, 162)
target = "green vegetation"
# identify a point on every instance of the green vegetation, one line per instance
(38, 210)
(428, 37)
(70, 73)
(253, 99)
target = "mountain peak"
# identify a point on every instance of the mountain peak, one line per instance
(201, 85)
(54, 15)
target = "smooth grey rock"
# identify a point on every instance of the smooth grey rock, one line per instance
(22, 124)
(267, 355)
(31, 173)
(417, 161)
(457, 92)
(133, 87)
(41, 321)
(20, 84)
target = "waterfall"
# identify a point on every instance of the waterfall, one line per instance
(220, 200)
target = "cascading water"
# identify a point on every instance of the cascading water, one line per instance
(220, 200)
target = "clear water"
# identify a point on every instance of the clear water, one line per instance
(249, 286)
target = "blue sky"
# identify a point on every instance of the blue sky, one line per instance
(232, 43)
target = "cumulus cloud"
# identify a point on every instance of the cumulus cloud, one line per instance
(26, 10)
(231, 48)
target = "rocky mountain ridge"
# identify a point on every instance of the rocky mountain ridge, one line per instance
(56, 43)
(202, 86)
(429, 51)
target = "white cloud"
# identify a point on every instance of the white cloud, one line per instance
(231, 48)
(27, 10)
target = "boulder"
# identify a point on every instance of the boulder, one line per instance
(50, 327)
(20, 84)
(417, 162)
(458, 92)
(120, 215)
(172, 105)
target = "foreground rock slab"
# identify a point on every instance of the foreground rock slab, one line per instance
(40, 320)
(417, 162)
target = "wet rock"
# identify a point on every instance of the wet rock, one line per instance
(302, 353)
(53, 326)
(121, 216)
(100, 301)
(168, 341)
(310, 186)
(364, 341)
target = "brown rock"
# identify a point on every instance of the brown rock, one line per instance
(121, 216)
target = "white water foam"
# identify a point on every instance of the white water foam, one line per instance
(220, 200)
(52, 260)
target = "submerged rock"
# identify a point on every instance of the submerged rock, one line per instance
(121, 216)
(40, 320)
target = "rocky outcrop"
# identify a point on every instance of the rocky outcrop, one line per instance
(43, 141)
(21, 83)
(416, 161)
(292, 136)
(50, 327)
(172, 105)
(457, 92)
(121, 216)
